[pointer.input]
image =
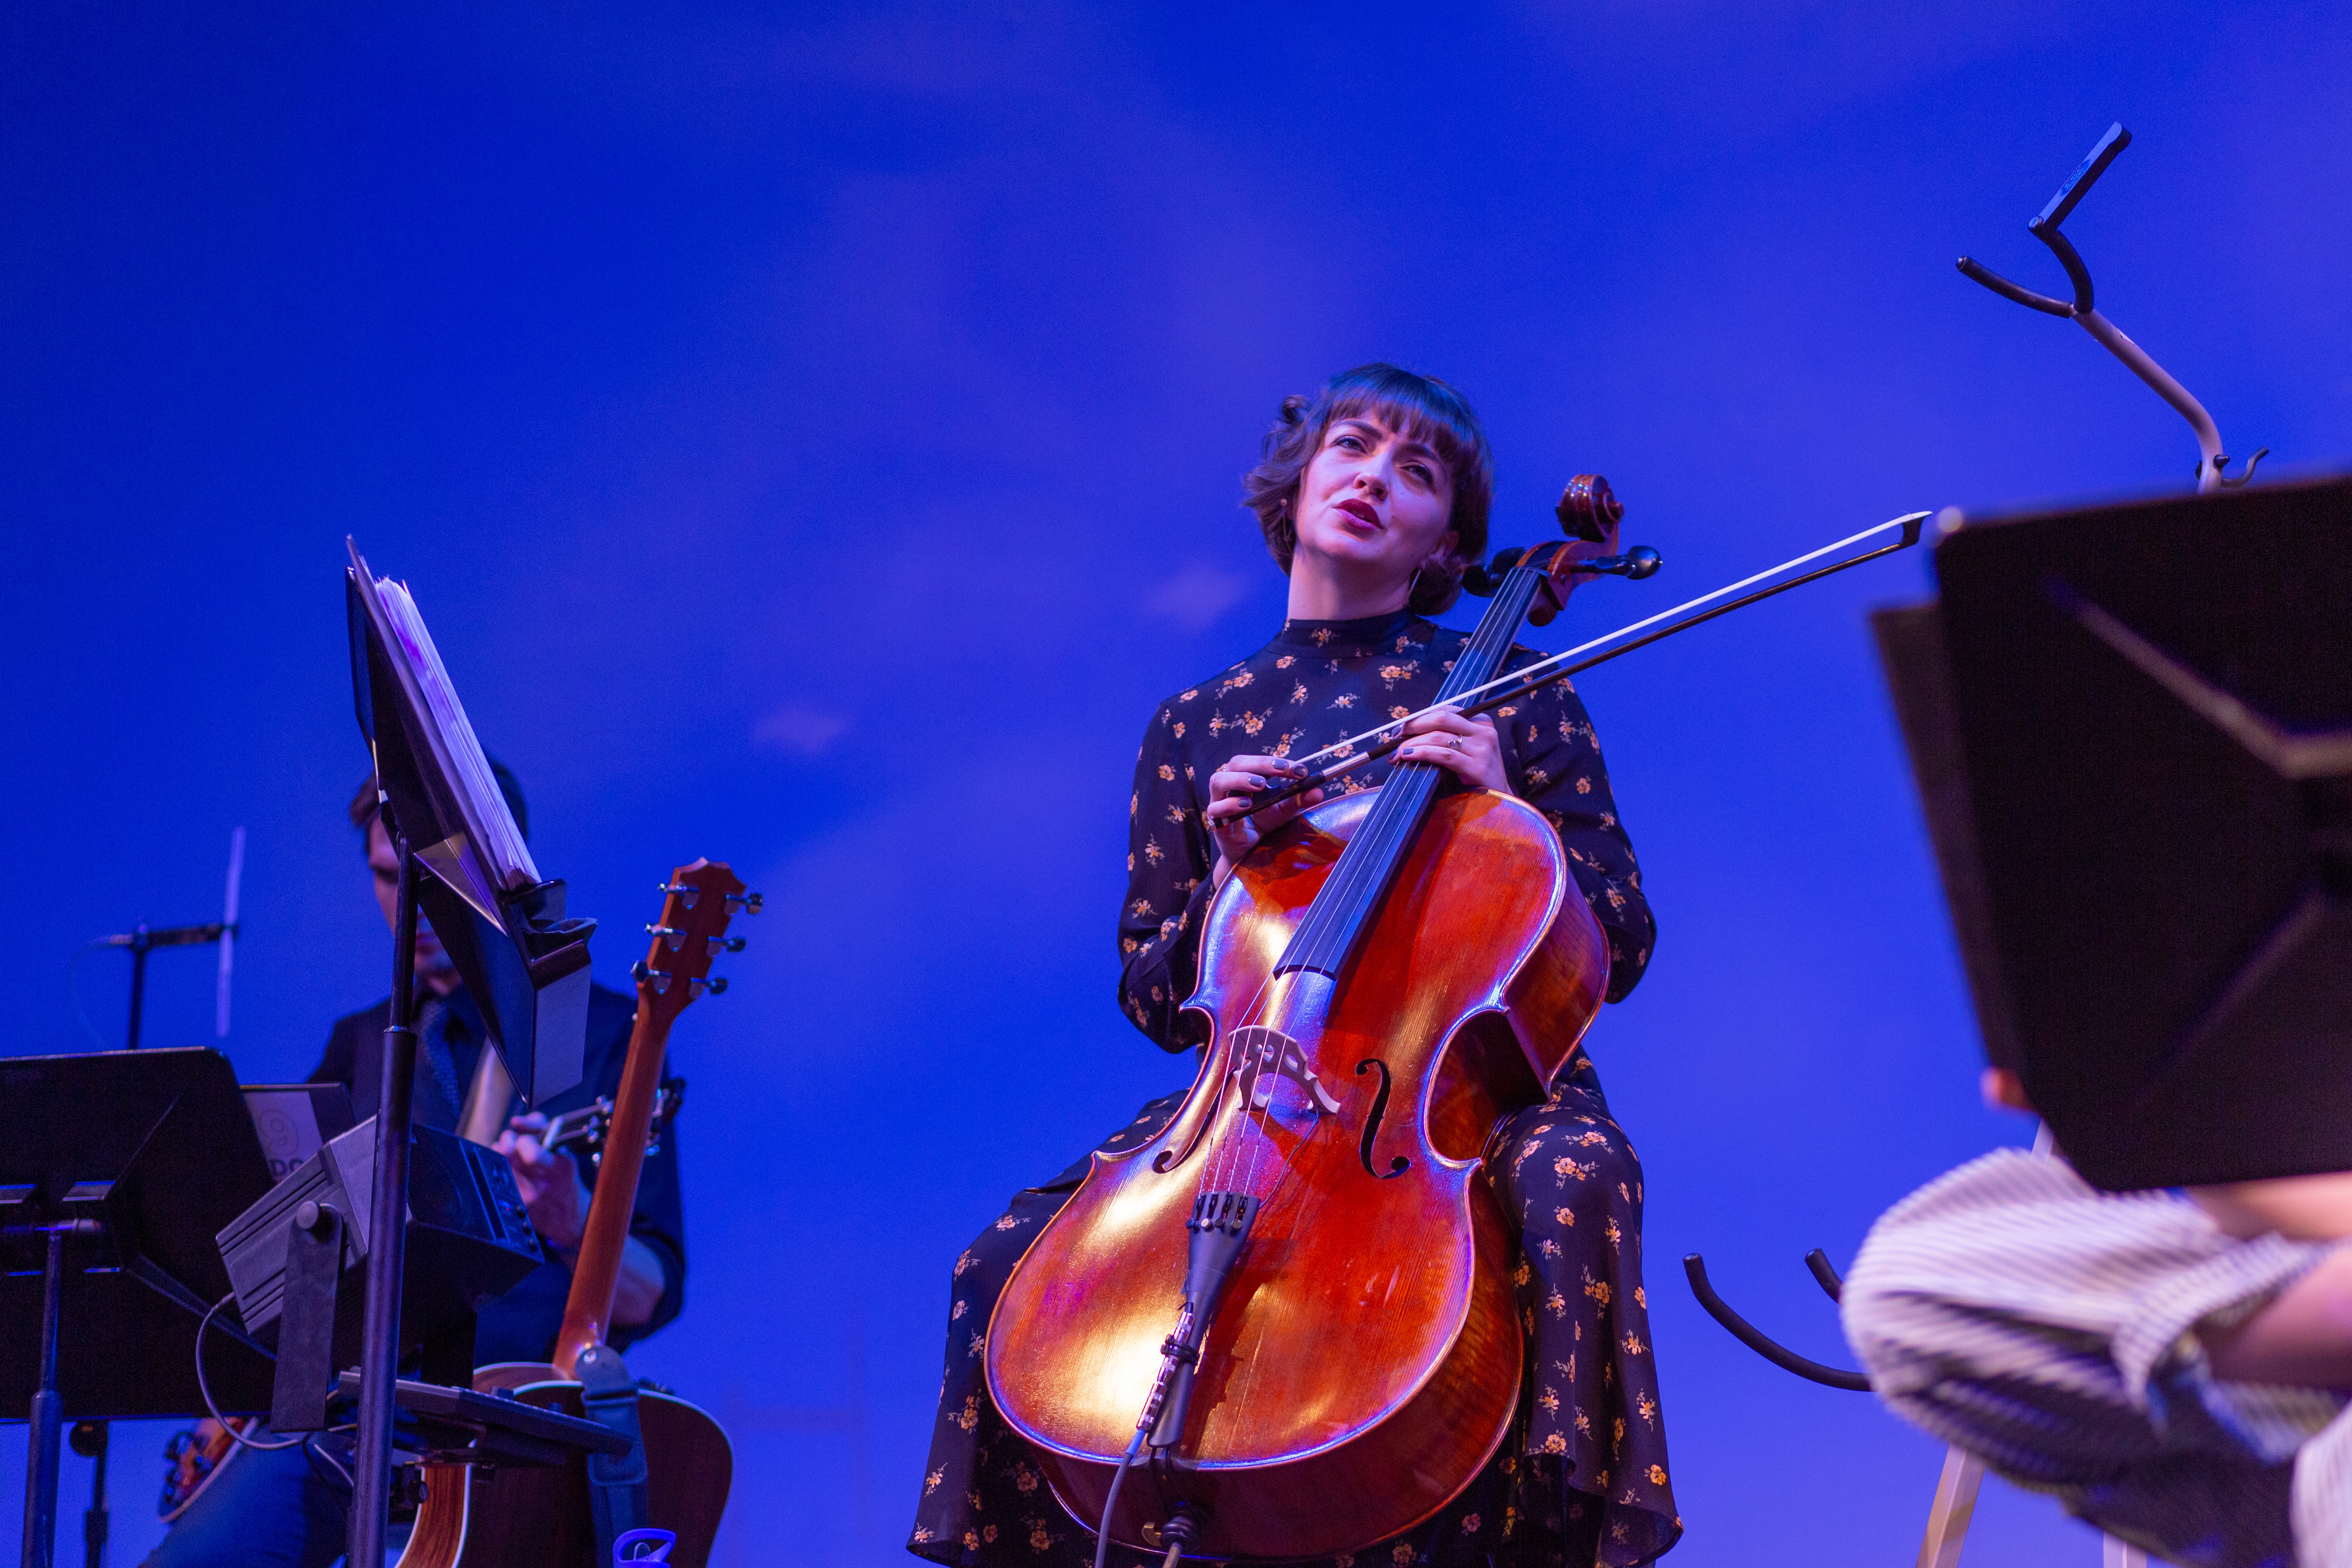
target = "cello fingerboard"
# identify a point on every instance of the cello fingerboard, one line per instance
(1335, 924)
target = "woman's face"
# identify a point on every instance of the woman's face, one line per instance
(1373, 501)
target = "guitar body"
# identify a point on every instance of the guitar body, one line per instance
(196, 1463)
(474, 1517)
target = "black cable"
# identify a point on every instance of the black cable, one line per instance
(1102, 1541)
(213, 1409)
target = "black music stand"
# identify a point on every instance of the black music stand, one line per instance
(115, 1171)
(2132, 728)
(524, 961)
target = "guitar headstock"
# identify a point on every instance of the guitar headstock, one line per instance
(698, 901)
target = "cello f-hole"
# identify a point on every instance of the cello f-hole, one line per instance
(1399, 1164)
(1169, 1159)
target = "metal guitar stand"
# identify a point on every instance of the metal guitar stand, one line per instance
(2212, 463)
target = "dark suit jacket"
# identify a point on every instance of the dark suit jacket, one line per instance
(522, 1325)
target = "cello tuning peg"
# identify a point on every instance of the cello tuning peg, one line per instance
(1635, 565)
(719, 944)
(750, 903)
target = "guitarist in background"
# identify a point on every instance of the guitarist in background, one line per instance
(269, 1509)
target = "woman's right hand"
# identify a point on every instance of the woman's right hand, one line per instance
(1231, 790)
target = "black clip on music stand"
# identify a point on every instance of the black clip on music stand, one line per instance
(522, 962)
(2131, 726)
(116, 1169)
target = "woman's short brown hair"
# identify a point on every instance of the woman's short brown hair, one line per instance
(1420, 406)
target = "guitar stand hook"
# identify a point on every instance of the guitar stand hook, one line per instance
(2212, 463)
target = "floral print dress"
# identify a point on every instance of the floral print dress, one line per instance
(1582, 1480)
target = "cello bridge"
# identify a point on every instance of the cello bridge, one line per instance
(1262, 1056)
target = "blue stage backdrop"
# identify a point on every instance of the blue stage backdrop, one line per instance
(814, 435)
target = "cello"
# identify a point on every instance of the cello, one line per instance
(1295, 1297)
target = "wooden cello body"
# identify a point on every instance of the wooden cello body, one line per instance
(1363, 1366)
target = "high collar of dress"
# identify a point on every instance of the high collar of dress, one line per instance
(1356, 638)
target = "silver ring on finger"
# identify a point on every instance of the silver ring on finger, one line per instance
(1455, 742)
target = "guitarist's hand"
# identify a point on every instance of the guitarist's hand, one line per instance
(550, 1181)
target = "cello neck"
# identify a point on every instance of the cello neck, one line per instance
(1352, 895)
(596, 1277)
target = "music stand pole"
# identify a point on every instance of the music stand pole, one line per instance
(388, 1229)
(47, 1417)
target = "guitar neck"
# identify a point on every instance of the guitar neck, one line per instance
(588, 1310)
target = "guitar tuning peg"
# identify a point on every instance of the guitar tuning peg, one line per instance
(646, 973)
(716, 983)
(750, 903)
(670, 935)
(719, 944)
(686, 892)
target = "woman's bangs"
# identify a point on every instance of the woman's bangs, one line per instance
(1443, 429)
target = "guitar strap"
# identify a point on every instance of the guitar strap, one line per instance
(617, 1493)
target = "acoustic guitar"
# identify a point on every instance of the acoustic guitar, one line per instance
(473, 1517)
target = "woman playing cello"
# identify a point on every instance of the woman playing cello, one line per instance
(1373, 498)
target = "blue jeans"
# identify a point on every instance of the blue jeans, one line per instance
(265, 1511)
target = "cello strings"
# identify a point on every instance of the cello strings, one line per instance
(1349, 885)
(1362, 863)
(1325, 912)
(1371, 852)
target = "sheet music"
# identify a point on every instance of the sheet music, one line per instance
(499, 845)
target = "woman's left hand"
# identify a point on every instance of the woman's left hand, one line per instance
(1468, 746)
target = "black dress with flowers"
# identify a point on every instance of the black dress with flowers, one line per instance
(1584, 1480)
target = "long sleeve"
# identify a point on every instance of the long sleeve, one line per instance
(1168, 858)
(1555, 767)
(2053, 1329)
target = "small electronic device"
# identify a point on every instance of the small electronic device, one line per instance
(469, 1237)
